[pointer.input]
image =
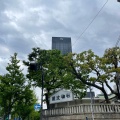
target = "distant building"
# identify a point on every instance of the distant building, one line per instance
(90, 95)
(62, 43)
(65, 98)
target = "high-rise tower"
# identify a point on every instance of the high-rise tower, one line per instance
(62, 43)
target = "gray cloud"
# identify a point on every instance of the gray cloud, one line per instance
(27, 24)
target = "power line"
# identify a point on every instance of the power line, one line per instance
(91, 22)
(88, 24)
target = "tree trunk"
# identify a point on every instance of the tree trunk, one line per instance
(47, 100)
(90, 84)
(106, 96)
(118, 95)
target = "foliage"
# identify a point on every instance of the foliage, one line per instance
(112, 69)
(96, 71)
(25, 106)
(35, 115)
(53, 67)
(13, 89)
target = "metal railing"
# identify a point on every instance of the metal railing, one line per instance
(80, 109)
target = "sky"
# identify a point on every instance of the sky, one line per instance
(25, 24)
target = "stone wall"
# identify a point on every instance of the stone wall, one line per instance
(105, 116)
(80, 112)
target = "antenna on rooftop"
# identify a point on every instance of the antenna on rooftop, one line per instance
(117, 42)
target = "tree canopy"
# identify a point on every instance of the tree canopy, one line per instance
(54, 68)
(96, 71)
(14, 90)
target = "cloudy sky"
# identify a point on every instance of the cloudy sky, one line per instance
(25, 24)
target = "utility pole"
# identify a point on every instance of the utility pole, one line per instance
(41, 68)
(36, 67)
(91, 103)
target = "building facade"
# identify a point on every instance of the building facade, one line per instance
(62, 43)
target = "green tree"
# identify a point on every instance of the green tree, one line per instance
(96, 71)
(111, 61)
(35, 115)
(24, 107)
(54, 68)
(13, 88)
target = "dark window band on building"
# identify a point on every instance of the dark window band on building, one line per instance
(62, 43)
